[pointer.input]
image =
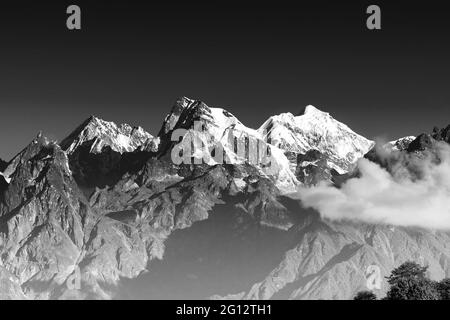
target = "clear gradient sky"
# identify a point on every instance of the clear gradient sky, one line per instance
(132, 60)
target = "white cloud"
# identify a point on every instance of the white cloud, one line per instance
(415, 193)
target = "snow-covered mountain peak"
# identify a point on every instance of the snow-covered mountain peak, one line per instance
(311, 110)
(186, 111)
(211, 125)
(399, 144)
(214, 127)
(100, 133)
(315, 129)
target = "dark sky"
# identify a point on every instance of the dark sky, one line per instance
(131, 61)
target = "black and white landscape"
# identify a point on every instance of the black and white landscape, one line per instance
(307, 156)
(108, 204)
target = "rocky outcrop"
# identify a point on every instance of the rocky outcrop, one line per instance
(312, 168)
(399, 144)
(43, 217)
(427, 141)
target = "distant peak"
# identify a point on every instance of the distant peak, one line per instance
(92, 120)
(184, 101)
(100, 133)
(96, 123)
(310, 109)
(188, 103)
(183, 104)
(185, 109)
(96, 120)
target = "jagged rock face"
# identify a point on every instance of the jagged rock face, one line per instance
(400, 144)
(217, 127)
(100, 134)
(4, 180)
(100, 151)
(421, 143)
(105, 168)
(48, 230)
(315, 129)
(170, 197)
(428, 141)
(3, 165)
(3, 185)
(442, 134)
(407, 153)
(41, 216)
(312, 168)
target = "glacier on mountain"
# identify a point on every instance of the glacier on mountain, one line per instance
(315, 129)
(100, 133)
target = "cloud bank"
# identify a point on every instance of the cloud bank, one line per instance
(414, 192)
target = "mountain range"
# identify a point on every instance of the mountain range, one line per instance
(107, 213)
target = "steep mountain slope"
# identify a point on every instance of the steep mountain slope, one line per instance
(100, 152)
(41, 222)
(215, 136)
(3, 165)
(3, 180)
(427, 141)
(49, 233)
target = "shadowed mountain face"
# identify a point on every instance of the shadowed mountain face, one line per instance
(3, 182)
(228, 252)
(107, 214)
(3, 165)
